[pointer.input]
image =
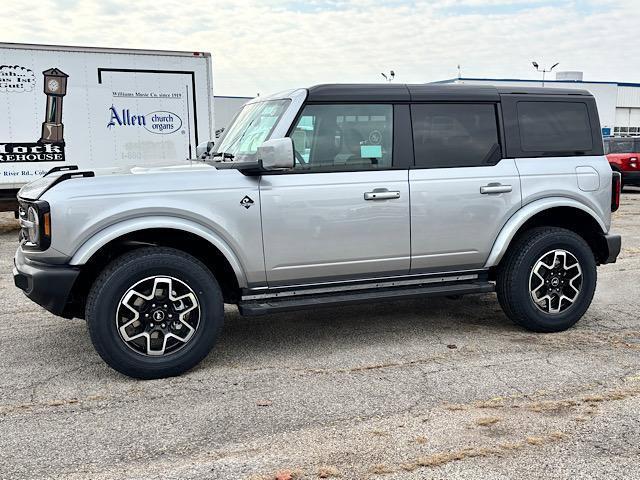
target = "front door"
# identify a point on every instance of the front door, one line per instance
(343, 212)
(462, 191)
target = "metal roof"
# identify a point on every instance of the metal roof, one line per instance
(73, 48)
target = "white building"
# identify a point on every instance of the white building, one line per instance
(224, 109)
(618, 103)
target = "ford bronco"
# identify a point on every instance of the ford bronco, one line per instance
(330, 195)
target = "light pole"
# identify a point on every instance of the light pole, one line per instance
(543, 70)
(390, 76)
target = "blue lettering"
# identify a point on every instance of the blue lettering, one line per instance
(114, 117)
(124, 118)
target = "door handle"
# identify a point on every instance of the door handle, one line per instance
(494, 188)
(381, 194)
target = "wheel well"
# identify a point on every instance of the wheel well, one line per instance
(188, 242)
(572, 219)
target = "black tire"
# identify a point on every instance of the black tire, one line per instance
(122, 274)
(513, 288)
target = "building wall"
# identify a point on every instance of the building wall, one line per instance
(224, 109)
(628, 110)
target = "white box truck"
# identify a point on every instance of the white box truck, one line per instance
(98, 108)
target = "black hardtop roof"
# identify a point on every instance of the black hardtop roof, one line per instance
(397, 92)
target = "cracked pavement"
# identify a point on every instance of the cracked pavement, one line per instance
(421, 389)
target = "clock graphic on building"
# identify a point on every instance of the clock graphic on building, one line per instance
(55, 87)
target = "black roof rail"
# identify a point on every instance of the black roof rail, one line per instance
(63, 168)
(67, 176)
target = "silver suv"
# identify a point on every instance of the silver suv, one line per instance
(330, 195)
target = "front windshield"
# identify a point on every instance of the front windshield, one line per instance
(251, 127)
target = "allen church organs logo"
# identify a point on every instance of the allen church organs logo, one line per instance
(50, 146)
(159, 122)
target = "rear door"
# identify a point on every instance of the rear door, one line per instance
(343, 212)
(462, 190)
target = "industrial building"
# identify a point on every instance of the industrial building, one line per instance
(618, 102)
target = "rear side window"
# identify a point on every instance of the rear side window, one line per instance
(455, 135)
(554, 127)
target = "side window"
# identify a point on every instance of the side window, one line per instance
(344, 137)
(455, 135)
(554, 127)
(621, 146)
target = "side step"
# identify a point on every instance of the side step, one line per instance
(274, 305)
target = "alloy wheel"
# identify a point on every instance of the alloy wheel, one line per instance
(555, 281)
(158, 316)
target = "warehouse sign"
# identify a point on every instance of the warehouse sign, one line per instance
(31, 152)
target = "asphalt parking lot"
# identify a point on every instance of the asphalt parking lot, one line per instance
(423, 389)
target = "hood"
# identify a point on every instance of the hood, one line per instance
(34, 190)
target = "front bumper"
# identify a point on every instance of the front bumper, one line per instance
(614, 244)
(47, 285)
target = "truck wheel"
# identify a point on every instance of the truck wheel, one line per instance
(547, 280)
(154, 312)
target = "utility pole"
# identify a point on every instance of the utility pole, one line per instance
(543, 69)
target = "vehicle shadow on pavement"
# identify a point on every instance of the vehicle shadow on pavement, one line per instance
(418, 324)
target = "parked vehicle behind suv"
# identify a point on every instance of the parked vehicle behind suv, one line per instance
(331, 195)
(623, 154)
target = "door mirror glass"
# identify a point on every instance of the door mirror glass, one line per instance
(276, 154)
(203, 150)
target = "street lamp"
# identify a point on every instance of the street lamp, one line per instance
(390, 76)
(543, 70)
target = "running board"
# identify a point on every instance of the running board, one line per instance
(283, 304)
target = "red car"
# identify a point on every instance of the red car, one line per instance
(623, 154)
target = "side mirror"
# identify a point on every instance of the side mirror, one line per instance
(276, 154)
(203, 150)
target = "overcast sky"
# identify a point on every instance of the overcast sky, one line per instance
(268, 45)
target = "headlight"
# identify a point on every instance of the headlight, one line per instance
(33, 226)
(35, 220)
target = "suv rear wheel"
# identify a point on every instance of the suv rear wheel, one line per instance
(547, 280)
(154, 312)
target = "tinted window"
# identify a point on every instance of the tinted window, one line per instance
(554, 127)
(620, 146)
(455, 135)
(344, 137)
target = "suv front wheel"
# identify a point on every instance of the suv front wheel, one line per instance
(154, 312)
(547, 280)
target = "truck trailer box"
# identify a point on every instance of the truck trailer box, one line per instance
(98, 108)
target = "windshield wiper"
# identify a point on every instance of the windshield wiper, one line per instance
(224, 155)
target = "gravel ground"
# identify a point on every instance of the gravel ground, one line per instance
(422, 389)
